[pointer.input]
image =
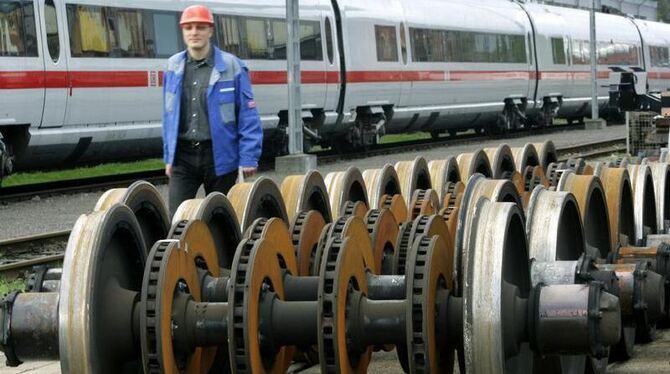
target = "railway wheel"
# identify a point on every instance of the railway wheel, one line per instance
(216, 211)
(644, 198)
(345, 186)
(146, 202)
(475, 162)
(525, 156)
(546, 152)
(443, 172)
(260, 199)
(102, 276)
(307, 192)
(413, 175)
(502, 161)
(380, 182)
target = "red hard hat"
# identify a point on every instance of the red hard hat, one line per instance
(196, 14)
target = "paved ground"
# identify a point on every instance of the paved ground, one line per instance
(59, 213)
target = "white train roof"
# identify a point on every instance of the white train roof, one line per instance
(486, 16)
(557, 21)
(654, 33)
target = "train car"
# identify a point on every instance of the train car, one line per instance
(656, 38)
(563, 52)
(81, 80)
(408, 70)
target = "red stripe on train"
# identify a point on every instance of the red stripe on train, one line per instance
(117, 79)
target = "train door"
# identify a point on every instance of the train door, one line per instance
(532, 69)
(332, 68)
(21, 67)
(55, 63)
(405, 87)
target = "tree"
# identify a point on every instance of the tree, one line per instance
(664, 11)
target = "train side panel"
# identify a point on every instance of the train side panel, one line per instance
(656, 37)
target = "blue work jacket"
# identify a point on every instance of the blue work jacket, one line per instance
(234, 123)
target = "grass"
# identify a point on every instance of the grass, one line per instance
(396, 138)
(9, 285)
(84, 172)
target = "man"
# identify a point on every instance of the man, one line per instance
(211, 127)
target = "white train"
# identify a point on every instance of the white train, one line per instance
(80, 80)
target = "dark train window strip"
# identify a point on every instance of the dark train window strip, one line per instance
(265, 38)
(431, 45)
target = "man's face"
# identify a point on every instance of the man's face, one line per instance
(197, 35)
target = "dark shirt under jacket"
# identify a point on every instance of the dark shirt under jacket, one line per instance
(194, 121)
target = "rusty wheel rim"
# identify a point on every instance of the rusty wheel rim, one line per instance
(424, 285)
(105, 251)
(424, 202)
(383, 230)
(380, 182)
(502, 161)
(619, 193)
(303, 193)
(355, 208)
(260, 263)
(436, 226)
(413, 175)
(443, 172)
(343, 187)
(216, 211)
(592, 203)
(344, 267)
(525, 156)
(305, 233)
(472, 163)
(396, 204)
(546, 151)
(260, 199)
(146, 203)
(173, 267)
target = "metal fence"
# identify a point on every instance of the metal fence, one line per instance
(644, 137)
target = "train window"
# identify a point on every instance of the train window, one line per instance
(265, 39)
(51, 22)
(130, 40)
(387, 44)
(558, 51)
(17, 29)
(311, 46)
(403, 44)
(580, 52)
(465, 46)
(611, 53)
(659, 56)
(229, 35)
(88, 31)
(167, 35)
(256, 36)
(329, 41)
(428, 45)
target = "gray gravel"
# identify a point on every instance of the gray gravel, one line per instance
(56, 213)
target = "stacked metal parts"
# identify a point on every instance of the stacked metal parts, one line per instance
(558, 271)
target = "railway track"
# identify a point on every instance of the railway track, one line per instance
(29, 191)
(21, 254)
